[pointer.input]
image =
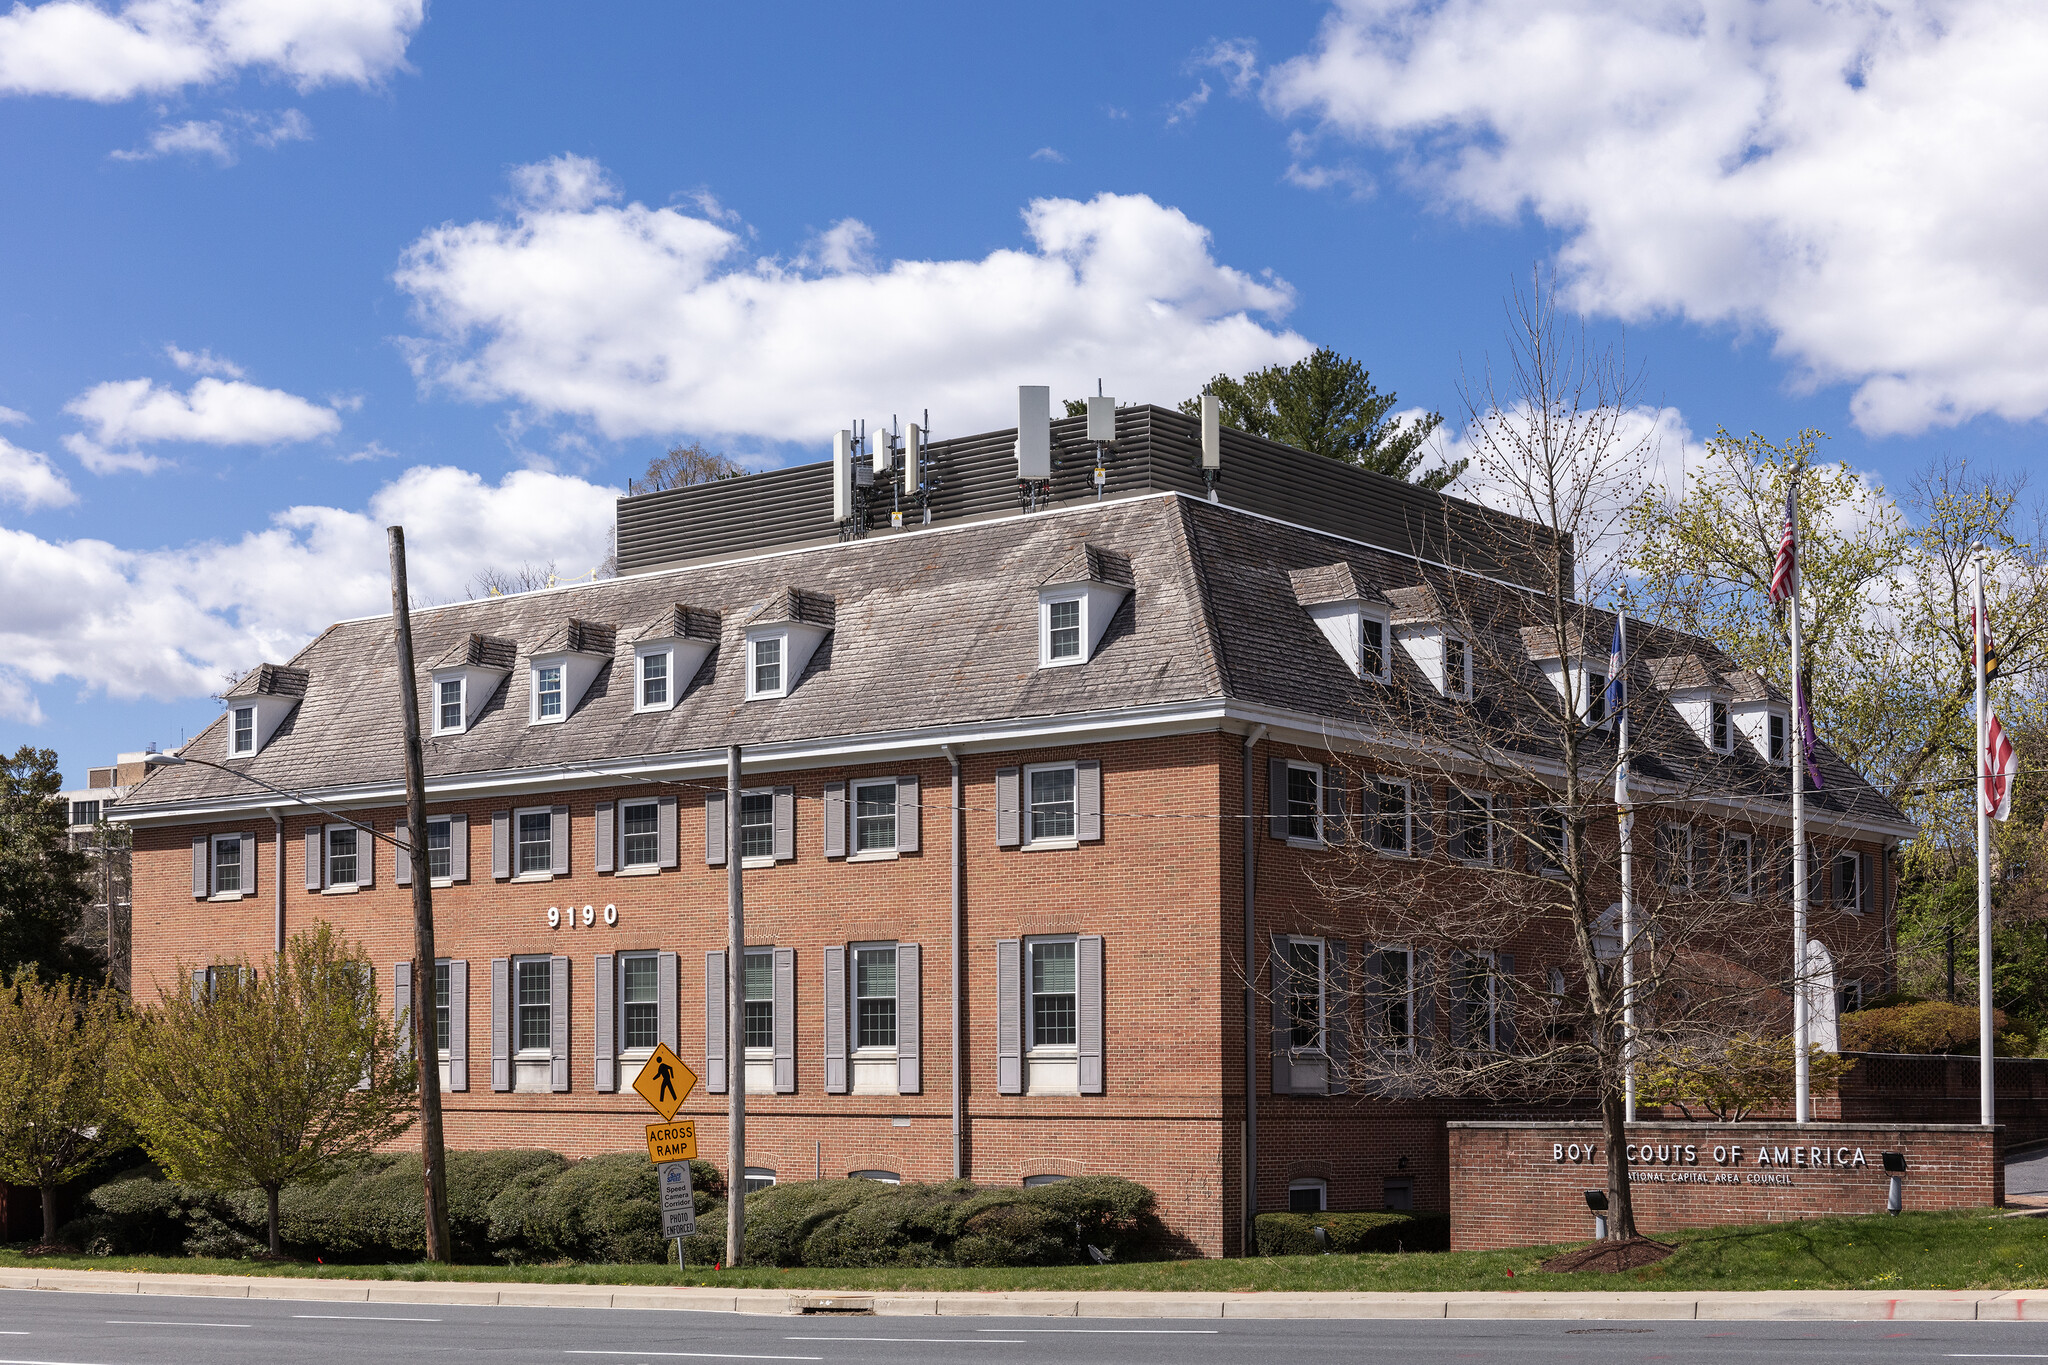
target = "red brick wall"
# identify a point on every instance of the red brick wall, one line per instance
(1523, 1184)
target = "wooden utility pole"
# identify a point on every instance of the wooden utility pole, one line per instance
(425, 1014)
(735, 1022)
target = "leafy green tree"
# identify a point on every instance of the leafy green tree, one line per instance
(58, 1118)
(266, 1076)
(1327, 404)
(44, 889)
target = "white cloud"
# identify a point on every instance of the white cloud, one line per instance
(17, 702)
(1052, 154)
(29, 480)
(1189, 107)
(1867, 183)
(204, 361)
(651, 321)
(168, 623)
(90, 51)
(11, 417)
(1236, 58)
(847, 246)
(373, 451)
(127, 413)
(222, 137)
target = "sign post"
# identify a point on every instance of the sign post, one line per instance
(678, 1203)
(665, 1083)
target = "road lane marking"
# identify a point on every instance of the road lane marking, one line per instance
(354, 1317)
(1116, 1331)
(1992, 1355)
(42, 1362)
(947, 1341)
(167, 1322)
(686, 1355)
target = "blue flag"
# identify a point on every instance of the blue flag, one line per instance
(1616, 693)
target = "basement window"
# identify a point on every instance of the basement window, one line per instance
(1308, 1196)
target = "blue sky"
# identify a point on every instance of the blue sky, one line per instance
(473, 266)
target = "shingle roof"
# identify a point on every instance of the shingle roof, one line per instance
(1684, 672)
(1092, 564)
(271, 680)
(1337, 582)
(476, 651)
(795, 605)
(580, 637)
(680, 621)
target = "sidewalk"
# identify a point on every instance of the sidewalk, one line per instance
(2025, 1305)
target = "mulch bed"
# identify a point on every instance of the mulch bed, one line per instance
(1608, 1257)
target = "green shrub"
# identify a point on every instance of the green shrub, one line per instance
(1930, 1027)
(1293, 1234)
(134, 1213)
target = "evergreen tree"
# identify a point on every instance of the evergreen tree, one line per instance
(44, 886)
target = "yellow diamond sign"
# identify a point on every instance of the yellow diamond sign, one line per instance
(665, 1082)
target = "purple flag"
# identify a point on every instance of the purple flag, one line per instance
(1809, 747)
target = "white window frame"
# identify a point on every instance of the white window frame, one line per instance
(427, 853)
(1720, 726)
(854, 852)
(1489, 963)
(1031, 839)
(1406, 1047)
(1852, 987)
(1081, 623)
(877, 1053)
(757, 1056)
(533, 690)
(329, 885)
(1483, 807)
(1032, 1182)
(756, 1179)
(1855, 902)
(1032, 1047)
(649, 955)
(751, 860)
(1380, 787)
(434, 1006)
(1384, 619)
(754, 643)
(1783, 759)
(521, 1053)
(1294, 840)
(461, 686)
(1555, 855)
(1679, 879)
(1320, 1045)
(880, 1177)
(1593, 692)
(1745, 888)
(1463, 690)
(235, 747)
(624, 868)
(241, 864)
(1307, 1184)
(665, 652)
(519, 815)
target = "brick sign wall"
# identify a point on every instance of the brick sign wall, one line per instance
(1523, 1184)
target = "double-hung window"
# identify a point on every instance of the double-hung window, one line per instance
(1471, 827)
(341, 856)
(1457, 668)
(654, 680)
(1596, 699)
(1553, 837)
(639, 834)
(440, 868)
(1063, 630)
(245, 730)
(1304, 1002)
(1304, 803)
(874, 817)
(1053, 1014)
(443, 1010)
(1472, 1000)
(757, 826)
(450, 718)
(767, 666)
(536, 842)
(1051, 796)
(1674, 857)
(1776, 729)
(637, 1002)
(1848, 878)
(1718, 730)
(874, 995)
(1394, 999)
(1372, 647)
(534, 1009)
(758, 1002)
(227, 865)
(1739, 865)
(1390, 826)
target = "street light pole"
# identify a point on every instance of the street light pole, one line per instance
(425, 1012)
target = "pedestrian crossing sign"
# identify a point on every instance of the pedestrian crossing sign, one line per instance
(665, 1082)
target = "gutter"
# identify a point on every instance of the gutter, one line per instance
(958, 966)
(1251, 1063)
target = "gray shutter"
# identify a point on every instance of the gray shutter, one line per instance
(835, 1021)
(316, 860)
(667, 978)
(458, 848)
(909, 1027)
(558, 1024)
(401, 1006)
(1504, 1002)
(604, 983)
(1338, 1012)
(601, 859)
(558, 840)
(665, 832)
(1276, 797)
(714, 829)
(835, 819)
(202, 872)
(714, 1021)
(1088, 1010)
(458, 1025)
(249, 874)
(501, 1023)
(366, 855)
(1087, 798)
(1010, 1016)
(909, 816)
(1424, 819)
(1505, 844)
(783, 964)
(1008, 826)
(401, 857)
(1425, 1002)
(785, 823)
(1282, 1041)
(501, 844)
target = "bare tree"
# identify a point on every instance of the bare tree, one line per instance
(1486, 851)
(501, 582)
(685, 465)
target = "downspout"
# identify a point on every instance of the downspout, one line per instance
(1251, 1052)
(277, 878)
(956, 972)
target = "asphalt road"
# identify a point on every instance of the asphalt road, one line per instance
(2027, 1174)
(41, 1327)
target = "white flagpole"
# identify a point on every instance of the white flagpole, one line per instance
(1802, 1025)
(1986, 1091)
(1622, 801)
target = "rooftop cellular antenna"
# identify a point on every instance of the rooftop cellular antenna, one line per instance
(1212, 443)
(1034, 442)
(1101, 431)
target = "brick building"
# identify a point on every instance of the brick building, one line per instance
(1004, 742)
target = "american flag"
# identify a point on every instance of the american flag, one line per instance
(1788, 550)
(2001, 765)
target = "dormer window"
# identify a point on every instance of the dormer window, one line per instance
(448, 718)
(259, 705)
(654, 680)
(766, 666)
(245, 731)
(1457, 676)
(1777, 729)
(668, 652)
(1076, 603)
(547, 692)
(1372, 647)
(1596, 699)
(1719, 733)
(782, 637)
(1352, 615)
(1063, 630)
(561, 671)
(466, 678)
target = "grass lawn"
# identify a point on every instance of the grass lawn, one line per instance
(1975, 1250)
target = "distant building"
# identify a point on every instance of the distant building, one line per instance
(106, 925)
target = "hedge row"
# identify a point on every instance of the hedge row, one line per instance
(1293, 1234)
(524, 1206)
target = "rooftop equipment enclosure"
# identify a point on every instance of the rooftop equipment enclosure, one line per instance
(1034, 432)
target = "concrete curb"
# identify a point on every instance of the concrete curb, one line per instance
(1911, 1305)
